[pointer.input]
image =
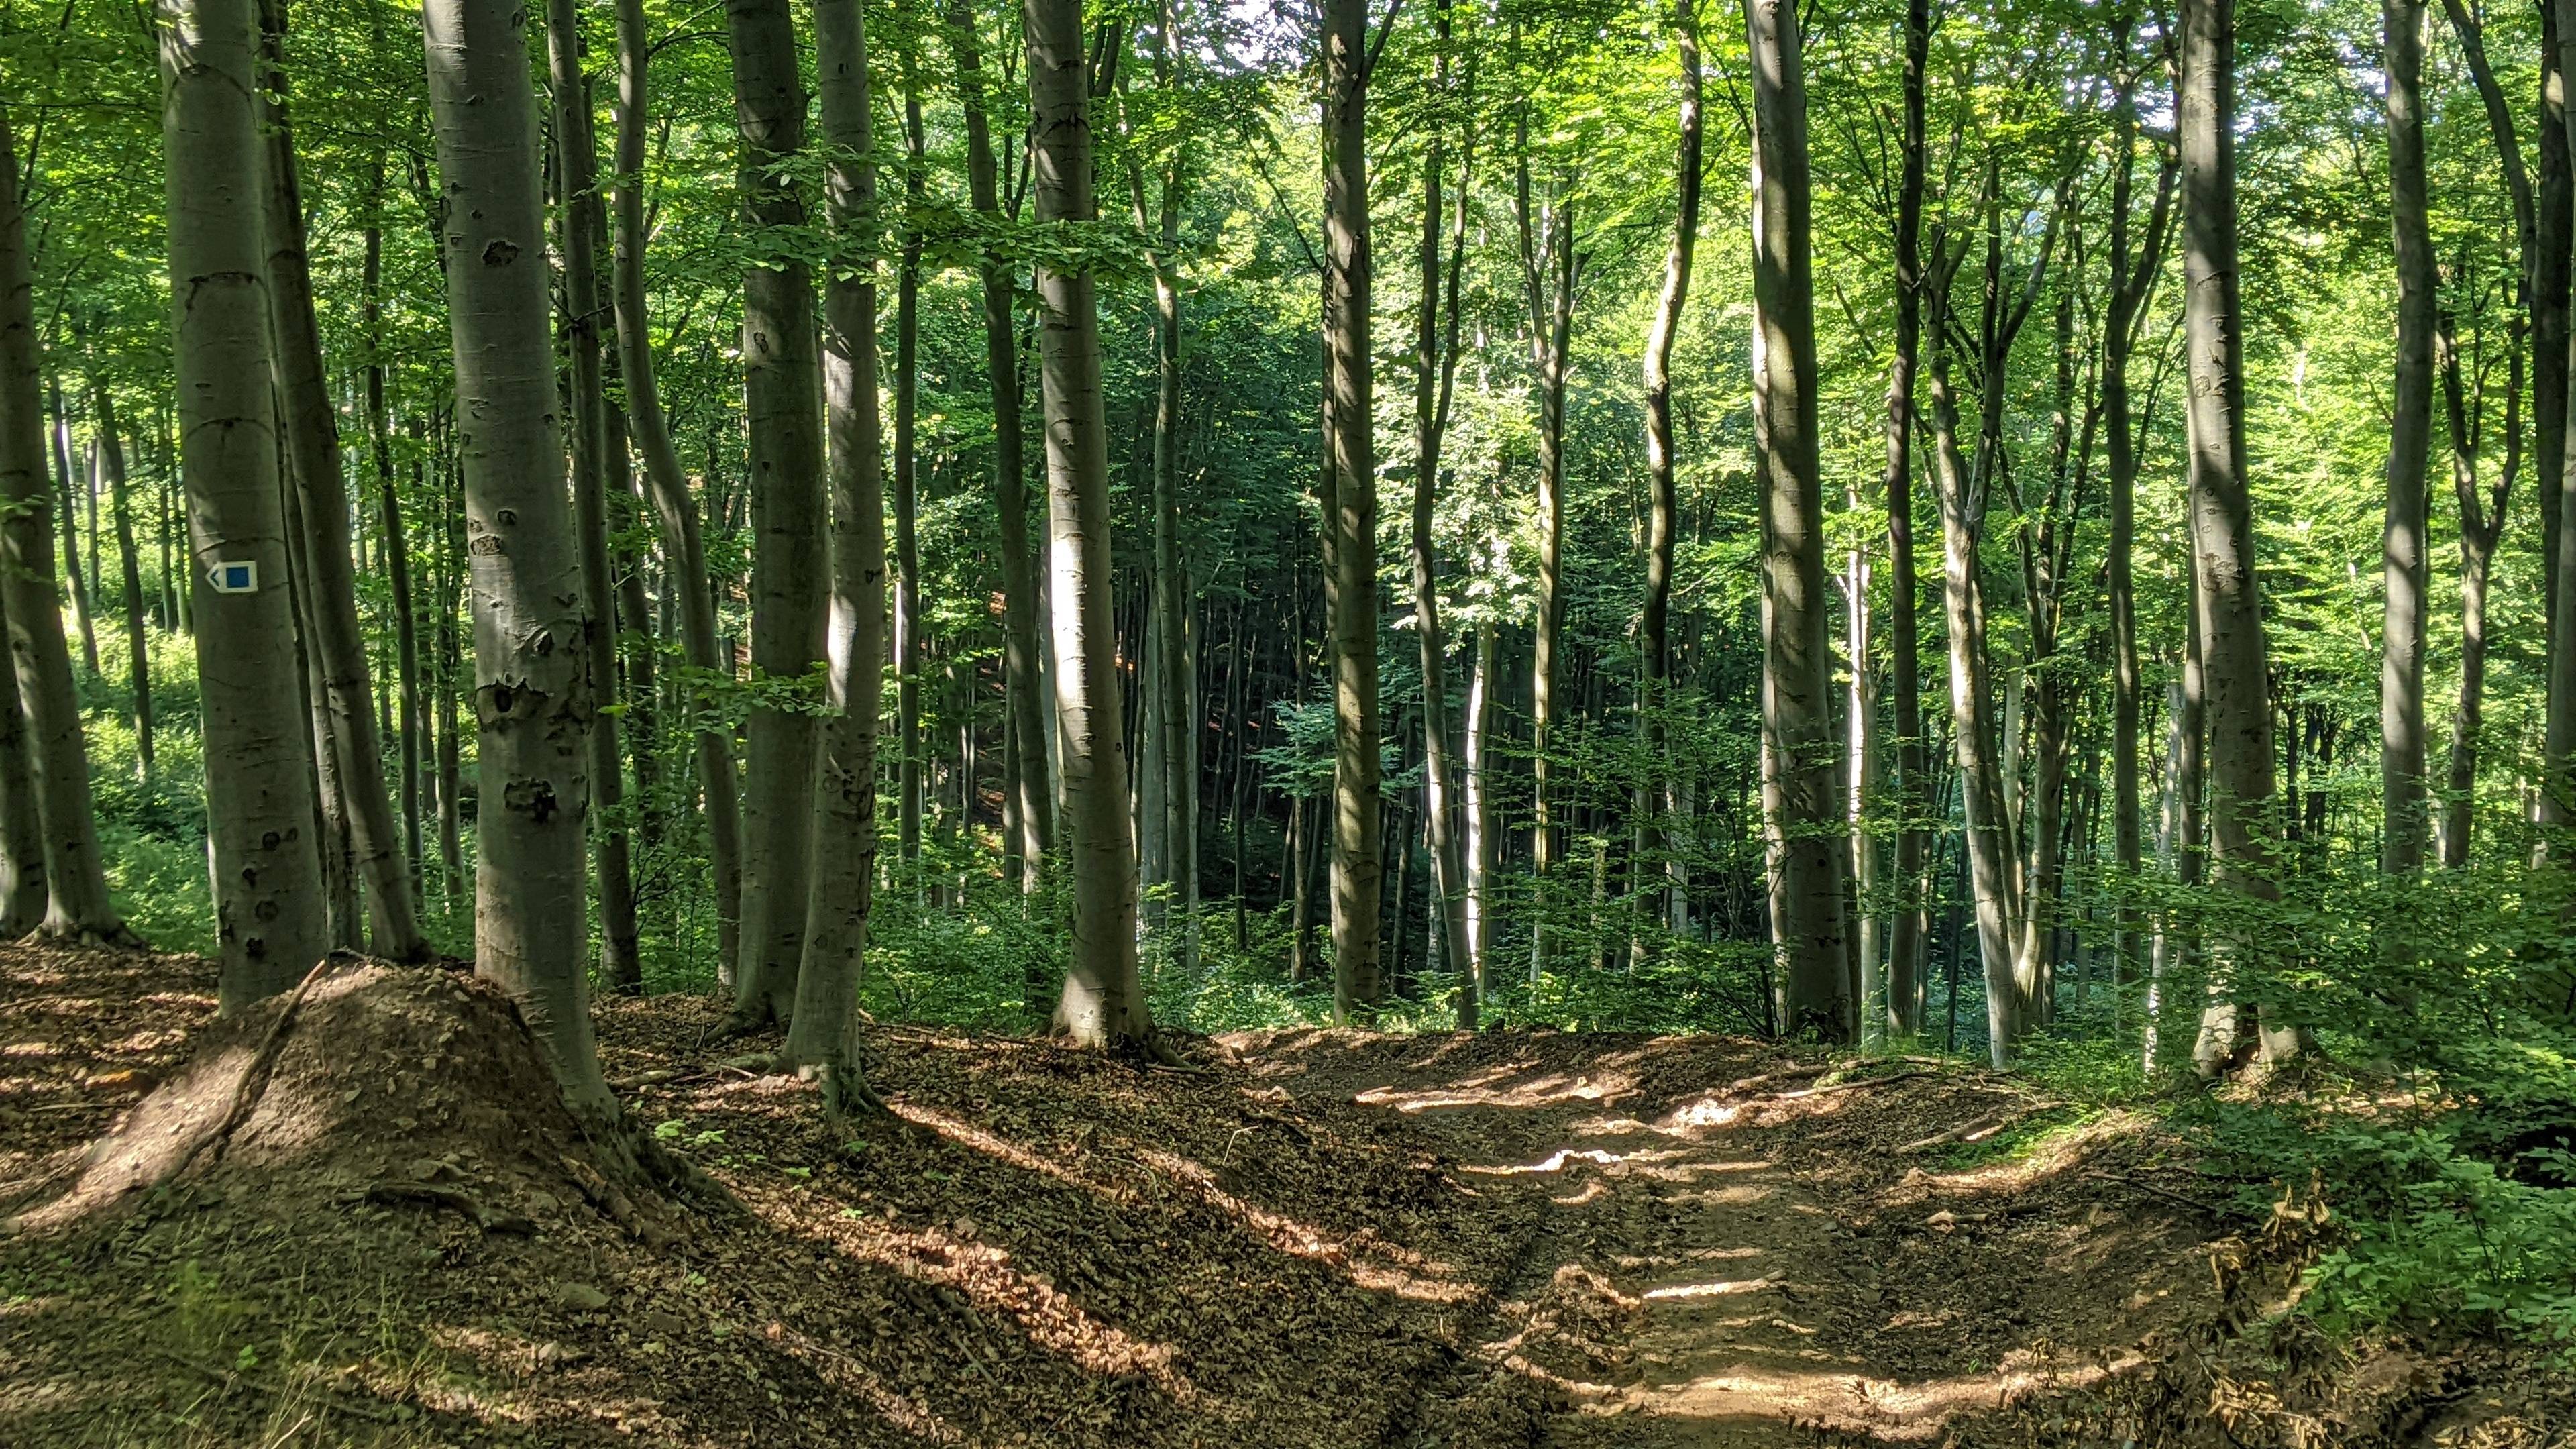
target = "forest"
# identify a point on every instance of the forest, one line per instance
(854, 721)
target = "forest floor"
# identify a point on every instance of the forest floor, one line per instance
(1313, 1238)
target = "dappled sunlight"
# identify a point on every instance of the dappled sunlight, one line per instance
(1848, 1402)
(1543, 1091)
(1720, 1289)
(984, 1275)
(1303, 1240)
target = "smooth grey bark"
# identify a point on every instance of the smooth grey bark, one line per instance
(1656, 796)
(821, 1036)
(23, 892)
(907, 465)
(1903, 1009)
(576, 152)
(1103, 1003)
(1358, 838)
(337, 645)
(259, 801)
(1435, 374)
(1032, 800)
(2553, 231)
(2403, 564)
(2558, 745)
(2481, 528)
(533, 694)
(79, 585)
(138, 645)
(1547, 288)
(2230, 602)
(684, 548)
(782, 389)
(1802, 805)
(389, 512)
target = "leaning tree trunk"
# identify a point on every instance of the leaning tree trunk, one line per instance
(1104, 1000)
(845, 798)
(782, 391)
(533, 696)
(1904, 974)
(2410, 428)
(138, 645)
(2230, 601)
(1657, 796)
(576, 165)
(338, 648)
(1358, 982)
(684, 550)
(259, 794)
(61, 432)
(1033, 806)
(22, 476)
(1802, 806)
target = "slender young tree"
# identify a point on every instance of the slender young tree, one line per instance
(533, 698)
(1802, 806)
(259, 796)
(684, 549)
(1358, 871)
(1032, 799)
(782, 390)
(909, 800)
(1103, 1004)
(78, 591)
(138, 645)
(845, 798)
(2229, 600)
(576, 163)
(2481, 528)
(337, 649)
(1663, 520)
(390, 516)
(2410, 428)
(1904, 970)
(1547, 287)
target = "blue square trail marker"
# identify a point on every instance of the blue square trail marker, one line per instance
(234, 577)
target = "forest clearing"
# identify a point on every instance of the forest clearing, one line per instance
(1311, 1237)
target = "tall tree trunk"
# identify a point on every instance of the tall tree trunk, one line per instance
(1657, 795)
(138, 644)
(821, 1034)
(1104, 1000)
(2222, 525)
(313, 454)
(1032, 800)
(2481, 526)
(1801, 804)
(1906, 922)
(1479, 829)
(1989, 849)
(533, 698)
(684, 549)
(2410, 429)
(79, 584)
(782, 392)
(577, 233)
(389, 506)
(1358, 871)
(1547, 283)
(23, 837)
(2553, 237)
(340, 881)
(1435, 370)
(451, 670)
(259, 800)
(907, 507)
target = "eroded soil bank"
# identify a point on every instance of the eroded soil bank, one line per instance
(1313, 1238)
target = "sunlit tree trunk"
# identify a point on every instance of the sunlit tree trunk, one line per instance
(24, 484)
(1802, 807)
(2222, 523)
(782, 391)
(1358, 869)
(1104, 1001)
(576, 154)
(259, 800)
(78, 591)
(684, 550)
(845, 797)
(2410, 427)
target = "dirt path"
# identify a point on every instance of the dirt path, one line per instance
(1735, 1251)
